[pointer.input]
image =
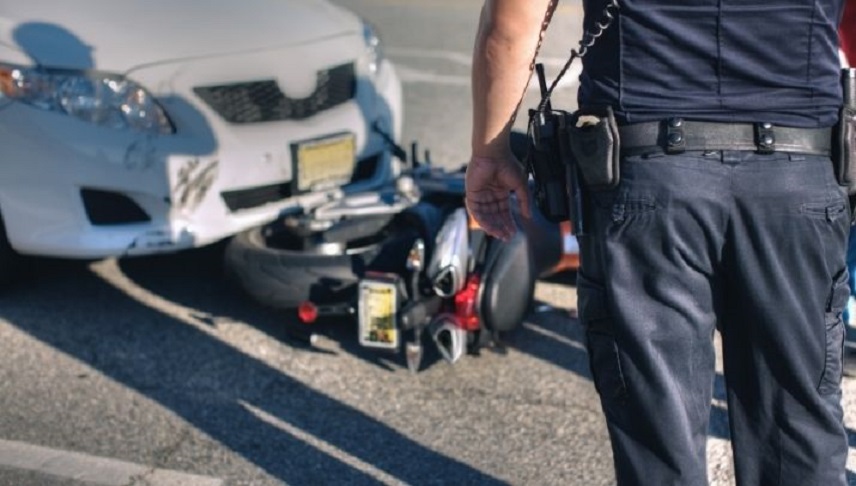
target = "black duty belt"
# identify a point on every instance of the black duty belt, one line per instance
(677, 135)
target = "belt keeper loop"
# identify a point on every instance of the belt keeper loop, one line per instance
(676, 140)
(765, 139)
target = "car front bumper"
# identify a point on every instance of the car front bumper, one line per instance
(75, 190)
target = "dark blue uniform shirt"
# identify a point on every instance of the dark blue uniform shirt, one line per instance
(718, 60)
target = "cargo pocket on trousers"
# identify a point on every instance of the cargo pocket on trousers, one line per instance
(604, 360)
(830, 379)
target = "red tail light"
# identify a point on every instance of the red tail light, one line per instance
(466, 307)
(307, 312)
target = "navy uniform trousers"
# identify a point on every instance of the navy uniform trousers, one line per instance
(752, 245)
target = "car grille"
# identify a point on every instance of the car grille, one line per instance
(263, 101)
(256, 196)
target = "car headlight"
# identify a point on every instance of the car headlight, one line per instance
(374, 47)
(105, 99)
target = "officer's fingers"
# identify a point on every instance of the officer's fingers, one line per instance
(523, 199)
(479, 210)
(496, 228)
(516, 182)
(492, 207)
(509, 228)
(490, 214)
(504, 221)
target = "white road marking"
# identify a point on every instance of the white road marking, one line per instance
(554, 335)
(462, 58)
(412, 75)
(323, 446)
(415, 75)
(92, 469)
(574, 8)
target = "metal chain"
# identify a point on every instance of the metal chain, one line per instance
(590, 37)
(548, 16)
(586, 42)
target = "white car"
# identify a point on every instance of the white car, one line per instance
(133, 127)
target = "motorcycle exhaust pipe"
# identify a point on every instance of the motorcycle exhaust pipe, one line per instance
(447, 269)
(449, 337)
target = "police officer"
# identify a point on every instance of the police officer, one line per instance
(727, 216)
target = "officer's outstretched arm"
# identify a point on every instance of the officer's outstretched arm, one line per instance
(506, 42)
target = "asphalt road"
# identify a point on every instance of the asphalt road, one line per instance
(156, 371)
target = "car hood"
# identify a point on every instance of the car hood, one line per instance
(118, 36)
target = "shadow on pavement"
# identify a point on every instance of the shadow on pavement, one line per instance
(197, 279)
(147, 351)
(228, 395)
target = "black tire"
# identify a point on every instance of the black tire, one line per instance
(508, 286)
(282, 278)
(10, 260)
(268, 263)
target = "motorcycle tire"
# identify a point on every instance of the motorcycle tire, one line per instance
(281, 277)
(269, 264)
(508, 284)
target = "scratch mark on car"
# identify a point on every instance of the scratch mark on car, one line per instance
(193, 181)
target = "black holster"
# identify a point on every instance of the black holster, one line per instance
(596, 147)
(570, 154)
(844, 143)
(547, 161)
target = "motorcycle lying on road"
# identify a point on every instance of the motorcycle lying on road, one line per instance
(402, 262)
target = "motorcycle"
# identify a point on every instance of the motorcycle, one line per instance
(402, 264)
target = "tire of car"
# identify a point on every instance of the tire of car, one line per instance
(280, 275)
(10, 260)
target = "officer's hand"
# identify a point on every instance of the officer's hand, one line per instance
(489, 184)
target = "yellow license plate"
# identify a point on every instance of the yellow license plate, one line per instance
(326, 161)
(378, 302)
